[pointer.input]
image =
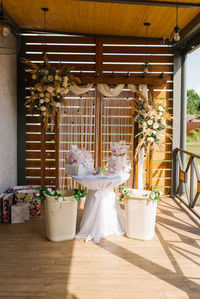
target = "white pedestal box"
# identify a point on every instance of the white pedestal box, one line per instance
(60, 218)
(140, 216)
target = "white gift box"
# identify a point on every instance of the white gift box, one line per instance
(77, 169)
(26, 206)
(17, 214)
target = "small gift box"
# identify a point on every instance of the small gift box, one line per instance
(7, 203)
(1, 206)
(26, 206)
(17, 213)
(18, 188)
(28, 196)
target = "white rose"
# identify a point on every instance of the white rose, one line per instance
(144, 124)
(160, 113)
(50, 89)
(41, 101)
(150, 122)
(155, 125)
(57, 104)
(50, 78)
(160, 108)
(154, 132)
(43, 108)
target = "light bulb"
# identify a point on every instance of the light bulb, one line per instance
(176, 33)
(177, 37)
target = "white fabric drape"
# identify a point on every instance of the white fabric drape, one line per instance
(110, 92)
(132, 87)
(78, 89)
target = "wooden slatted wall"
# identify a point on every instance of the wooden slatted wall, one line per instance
(111, 114)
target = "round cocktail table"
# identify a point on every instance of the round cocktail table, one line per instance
(102, 215)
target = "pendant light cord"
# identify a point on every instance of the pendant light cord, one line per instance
(45, 10)
(176, 12)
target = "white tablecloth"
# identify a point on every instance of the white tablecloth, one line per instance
(102, 214)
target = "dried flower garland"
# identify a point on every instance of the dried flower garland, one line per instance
(152, 118)
(50, 85)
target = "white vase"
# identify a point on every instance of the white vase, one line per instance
(140, 216)
(60, 218)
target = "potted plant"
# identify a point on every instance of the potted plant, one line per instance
(140, 211)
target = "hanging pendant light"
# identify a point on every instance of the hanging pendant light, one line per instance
(45, 10)
(147, 66)
(176, 28)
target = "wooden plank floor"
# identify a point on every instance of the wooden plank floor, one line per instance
(118, 268)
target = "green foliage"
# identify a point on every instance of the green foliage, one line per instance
(194, 135)
(193, 102)
(79, 193)
(41, 194)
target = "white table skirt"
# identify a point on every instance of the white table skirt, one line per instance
(102, 214)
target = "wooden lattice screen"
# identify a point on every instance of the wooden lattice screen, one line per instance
(109, 119)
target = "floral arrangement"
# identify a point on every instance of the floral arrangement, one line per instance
(155, 195)
(118, 161)
(78, 194)
(123, 192)
(50, 85)
(79, 156)
(152, 118)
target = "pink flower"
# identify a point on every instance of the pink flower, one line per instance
(37, 207)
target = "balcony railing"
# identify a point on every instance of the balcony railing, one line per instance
(186, 179)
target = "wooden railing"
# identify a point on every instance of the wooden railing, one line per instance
(186, 179)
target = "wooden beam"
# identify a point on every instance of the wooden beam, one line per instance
(151, 3)
(119, 79)
(99, 56)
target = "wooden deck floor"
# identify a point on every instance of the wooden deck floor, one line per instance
(118, 268)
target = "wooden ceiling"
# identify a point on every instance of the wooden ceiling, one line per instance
(99, 18)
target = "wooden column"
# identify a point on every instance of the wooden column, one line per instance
(149, 168)
(43, 155)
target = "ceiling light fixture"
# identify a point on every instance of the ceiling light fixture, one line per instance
(176, 28)
(147, 66)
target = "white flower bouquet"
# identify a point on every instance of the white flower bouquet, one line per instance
(152, 120)
(118, 161)
(50, 85)
(79, 162)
